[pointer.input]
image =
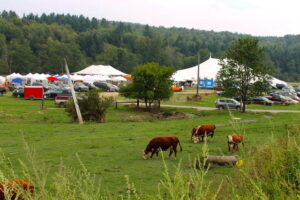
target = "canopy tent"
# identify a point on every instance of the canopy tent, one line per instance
(52, 78)
(2, 80)
(17, 80)
(105, 70)
(207, 69)
(118, 79)
(13, 75)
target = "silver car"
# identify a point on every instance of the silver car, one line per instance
(80, 87)
(227, 104)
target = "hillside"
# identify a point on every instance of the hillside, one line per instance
(39, 43)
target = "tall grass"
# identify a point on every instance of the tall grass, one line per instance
(270, 172)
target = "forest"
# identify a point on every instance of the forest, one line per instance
(39, 43)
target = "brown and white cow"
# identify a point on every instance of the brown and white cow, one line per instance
(233, 141)
(163, 143)
(16, 188)
(203, 131)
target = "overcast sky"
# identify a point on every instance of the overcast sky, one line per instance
(255, 17)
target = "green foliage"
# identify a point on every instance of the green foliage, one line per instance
(92, 106)
(151, 82)
(243, 73)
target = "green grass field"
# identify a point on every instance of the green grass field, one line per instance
(114, 149)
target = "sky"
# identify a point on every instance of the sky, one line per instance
(255, 17)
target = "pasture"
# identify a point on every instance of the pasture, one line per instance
(114, 149)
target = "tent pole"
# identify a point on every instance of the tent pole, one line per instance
(198, 71)
(73, 94)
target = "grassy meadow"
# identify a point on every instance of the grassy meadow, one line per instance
(114, 149)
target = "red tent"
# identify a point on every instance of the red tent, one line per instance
(52, 78)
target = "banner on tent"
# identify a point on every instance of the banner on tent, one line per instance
(206, 83)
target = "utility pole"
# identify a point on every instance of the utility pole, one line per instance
(198, 71)
(73, 94)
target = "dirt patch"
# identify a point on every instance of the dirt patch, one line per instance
(173, 115)
(13, 120)
(135, 118)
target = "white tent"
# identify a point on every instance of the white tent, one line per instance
(118, 79)
(105, 70)
(207, 69)
(2, 80)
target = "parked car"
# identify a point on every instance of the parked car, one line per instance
(218, 88)
(52, 93)
(18, 92)
(2, 91)
(80, 87)
(227, 104)
(107, 87)
(64, 87)
(61, 101)
(12, 86)
(176, 88)
(44, 85)
(279, 99)
(90, 85)
(261, 100)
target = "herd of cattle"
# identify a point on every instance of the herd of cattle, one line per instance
(170, 142)
(17, 188)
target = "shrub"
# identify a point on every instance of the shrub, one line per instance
(92, 106)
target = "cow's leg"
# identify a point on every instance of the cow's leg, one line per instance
(157, 151)
(212, 134)
(175, 150)
(228, 146)
(153, 152)
(237, 147)
(171, 151)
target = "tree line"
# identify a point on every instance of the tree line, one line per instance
(34, 43)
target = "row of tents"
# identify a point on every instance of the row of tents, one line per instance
(207, 72)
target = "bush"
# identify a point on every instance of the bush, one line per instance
(92, 106)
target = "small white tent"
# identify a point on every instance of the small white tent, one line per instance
(2, 80)
(207, 69)
(105, 70)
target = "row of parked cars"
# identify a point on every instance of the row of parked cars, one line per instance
(52, 90)
(286, 96)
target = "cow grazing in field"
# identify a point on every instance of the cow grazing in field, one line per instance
(233, 141)
(163, 143)
(203, 131)
(16, 189)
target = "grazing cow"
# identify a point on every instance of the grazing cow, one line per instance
(163, 143)
(233, 141)
(16, 188)
(202, 131)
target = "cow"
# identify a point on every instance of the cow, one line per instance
(16, 189)
(163, 143)
(202, 131)
(233, 141)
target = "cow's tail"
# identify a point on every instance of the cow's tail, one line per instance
(180, 145)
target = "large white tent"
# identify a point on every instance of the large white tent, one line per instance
(207, 69)
(105, 70)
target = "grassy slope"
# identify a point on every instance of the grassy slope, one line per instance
(114, 149)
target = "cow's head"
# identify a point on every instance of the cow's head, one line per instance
(146, 154)
(195, 138)
(230, 141)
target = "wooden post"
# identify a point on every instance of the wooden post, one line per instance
(73, 94)
(198, 71)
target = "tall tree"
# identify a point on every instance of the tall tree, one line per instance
(243, 72)
(151, 82)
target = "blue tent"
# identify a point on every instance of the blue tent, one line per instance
(63, 78)
(17, 80)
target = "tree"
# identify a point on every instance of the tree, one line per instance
(243, 72)
(92, 107)
(151, 82)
